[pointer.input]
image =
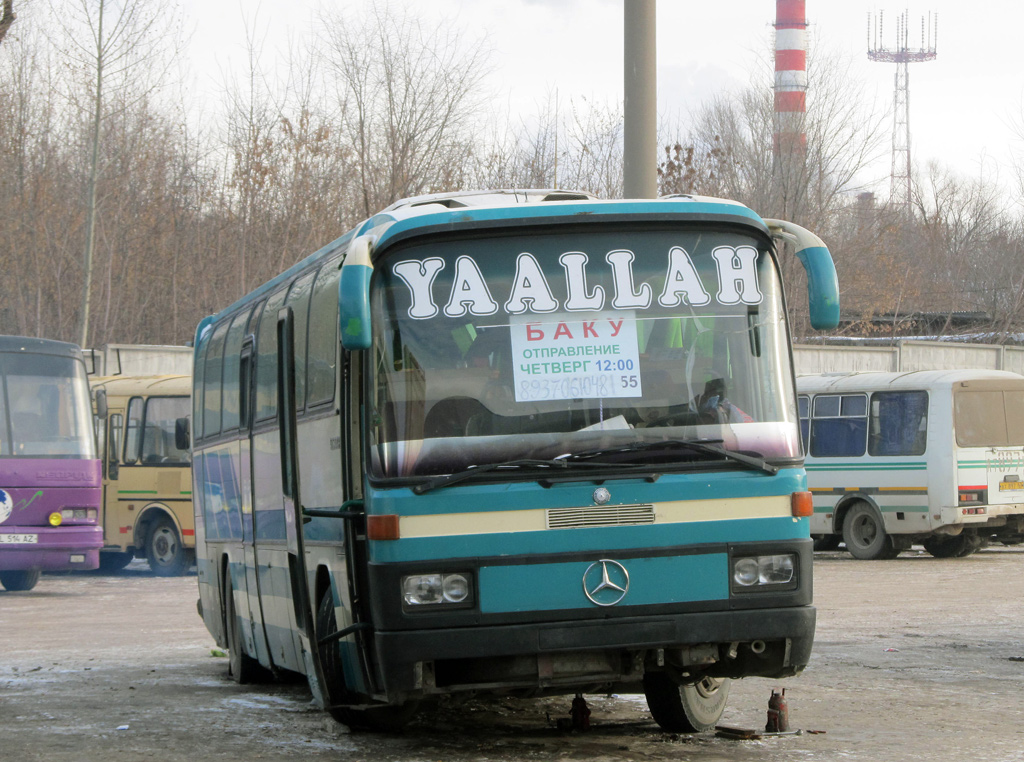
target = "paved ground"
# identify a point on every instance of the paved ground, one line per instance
(915, 659)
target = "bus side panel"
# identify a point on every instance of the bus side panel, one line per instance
(206, 545)
(320, 474)
(244, 470)
(898, 486)
(271, 555)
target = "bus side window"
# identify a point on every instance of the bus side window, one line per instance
(133, 439)
(212, 382)
(839, 426)
(899, 423)
(198, 378)
(114, 438)
(804, 405)
(230, 394)
(323, 336)
(298, 298)
(266, 359)
(100, 425)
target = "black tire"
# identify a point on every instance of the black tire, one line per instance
(114, 561)
(952, 546)
(685, 708)
(18, 581)
(826, 541)
(388, 719)
(166, 555)
(241, 667)
(864, 534)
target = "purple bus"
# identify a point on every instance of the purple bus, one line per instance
(50, 482)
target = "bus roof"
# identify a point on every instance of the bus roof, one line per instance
(857, 381)
(40, 346)
(441, 212)
(143, 386)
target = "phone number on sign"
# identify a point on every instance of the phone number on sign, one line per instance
(578, 387)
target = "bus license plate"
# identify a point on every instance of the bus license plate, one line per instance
(1005, 486)
(19, 539)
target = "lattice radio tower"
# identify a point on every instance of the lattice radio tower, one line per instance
(902, 55)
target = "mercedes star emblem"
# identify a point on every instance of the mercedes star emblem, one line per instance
(605, 582)
(601, 496)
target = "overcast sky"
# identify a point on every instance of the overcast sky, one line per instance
(962, 105)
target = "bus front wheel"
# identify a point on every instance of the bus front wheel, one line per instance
(20, 580)
(383, 718)
(166, 555)
(685, 708)
(865, 536)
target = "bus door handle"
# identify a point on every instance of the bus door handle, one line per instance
(357, 627)
(327, 513)
(342, 512)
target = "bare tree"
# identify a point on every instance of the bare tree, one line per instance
(121, 55)
(408, 97)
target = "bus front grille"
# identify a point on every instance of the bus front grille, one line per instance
(600, 516)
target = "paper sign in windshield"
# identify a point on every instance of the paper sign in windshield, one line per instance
(560, 357)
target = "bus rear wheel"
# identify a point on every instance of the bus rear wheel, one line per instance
(18, 581)
(865, 535)
(389, 719)
(685, 708)
(166, 555)
(952, 546)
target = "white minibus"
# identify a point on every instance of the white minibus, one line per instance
(931, 457)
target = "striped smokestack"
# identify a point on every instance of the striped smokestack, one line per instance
(790, 75)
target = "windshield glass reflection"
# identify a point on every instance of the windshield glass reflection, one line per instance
(491, 349)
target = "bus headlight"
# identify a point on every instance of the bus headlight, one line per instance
(749, 572)
(78, 514)
(428, 590)
(56, 519)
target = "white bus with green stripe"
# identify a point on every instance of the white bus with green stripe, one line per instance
(932, 457)
(513, 442)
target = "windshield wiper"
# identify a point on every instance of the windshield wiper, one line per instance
(707, 446)
(445, 480)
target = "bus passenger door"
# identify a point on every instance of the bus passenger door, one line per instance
(294, 522)
(250, 552)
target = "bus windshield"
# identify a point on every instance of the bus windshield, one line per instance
(45, 410)
(491, 349)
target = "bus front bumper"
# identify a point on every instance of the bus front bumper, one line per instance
(66, 548)
(751, 643)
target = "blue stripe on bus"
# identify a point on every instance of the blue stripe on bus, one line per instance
(517, 496)
(596, 540)
(550, 587)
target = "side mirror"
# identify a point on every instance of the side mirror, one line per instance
(101, 404)
(822, 282)
(354, 295)
(182, 433)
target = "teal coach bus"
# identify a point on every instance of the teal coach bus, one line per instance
(517, 442)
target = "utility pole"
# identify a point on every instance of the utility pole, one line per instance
(639, 171)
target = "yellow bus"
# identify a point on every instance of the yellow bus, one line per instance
(147, 479)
